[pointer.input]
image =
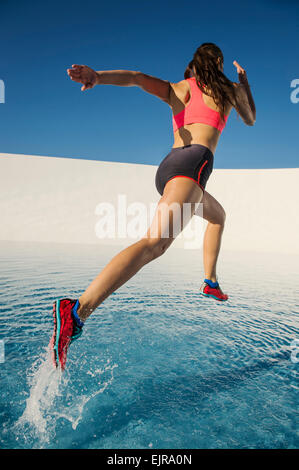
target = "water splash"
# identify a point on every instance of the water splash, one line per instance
(44, 382)
(75, 413)
(53, 397)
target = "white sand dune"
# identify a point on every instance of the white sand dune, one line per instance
(49, 199)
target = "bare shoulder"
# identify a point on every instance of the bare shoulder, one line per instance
(179, 91)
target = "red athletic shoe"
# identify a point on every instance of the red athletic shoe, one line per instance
(65, 331)
(214, 292)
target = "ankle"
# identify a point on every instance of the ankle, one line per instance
(211, 278)
(212, 284)
(84, 309)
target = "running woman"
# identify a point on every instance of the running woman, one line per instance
(201, 104)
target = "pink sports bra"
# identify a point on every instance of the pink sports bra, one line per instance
(197, 111)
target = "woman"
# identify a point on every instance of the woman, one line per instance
(201, 104)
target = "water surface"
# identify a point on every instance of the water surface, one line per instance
(158, 366)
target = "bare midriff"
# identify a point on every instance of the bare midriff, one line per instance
(197, 134)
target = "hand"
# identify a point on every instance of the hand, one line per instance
(241, 72)
(83, 74)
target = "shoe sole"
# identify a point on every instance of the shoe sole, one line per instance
(213, 296)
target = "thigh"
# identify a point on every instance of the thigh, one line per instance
(212, 210)
(175, 209)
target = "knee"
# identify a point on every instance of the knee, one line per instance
(220, 217)
(157, 247)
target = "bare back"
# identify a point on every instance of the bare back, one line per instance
(195, 133)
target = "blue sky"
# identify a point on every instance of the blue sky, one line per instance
(45, 113)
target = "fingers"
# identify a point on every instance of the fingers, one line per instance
(86, 86)
(239, 68)
(75, 75)
(78, 73)
(75, 71)
(237, 65)
(75, 78)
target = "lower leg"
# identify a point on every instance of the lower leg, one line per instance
(119, 270)
(211, 248)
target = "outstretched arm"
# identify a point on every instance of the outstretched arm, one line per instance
(89, 78)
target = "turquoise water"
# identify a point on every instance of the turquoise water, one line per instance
(158, 366)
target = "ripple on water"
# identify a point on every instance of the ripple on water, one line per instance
(156, 359)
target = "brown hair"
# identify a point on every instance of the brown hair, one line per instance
(204, 67)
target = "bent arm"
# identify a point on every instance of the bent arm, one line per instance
(244, 103)
(250, 100)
